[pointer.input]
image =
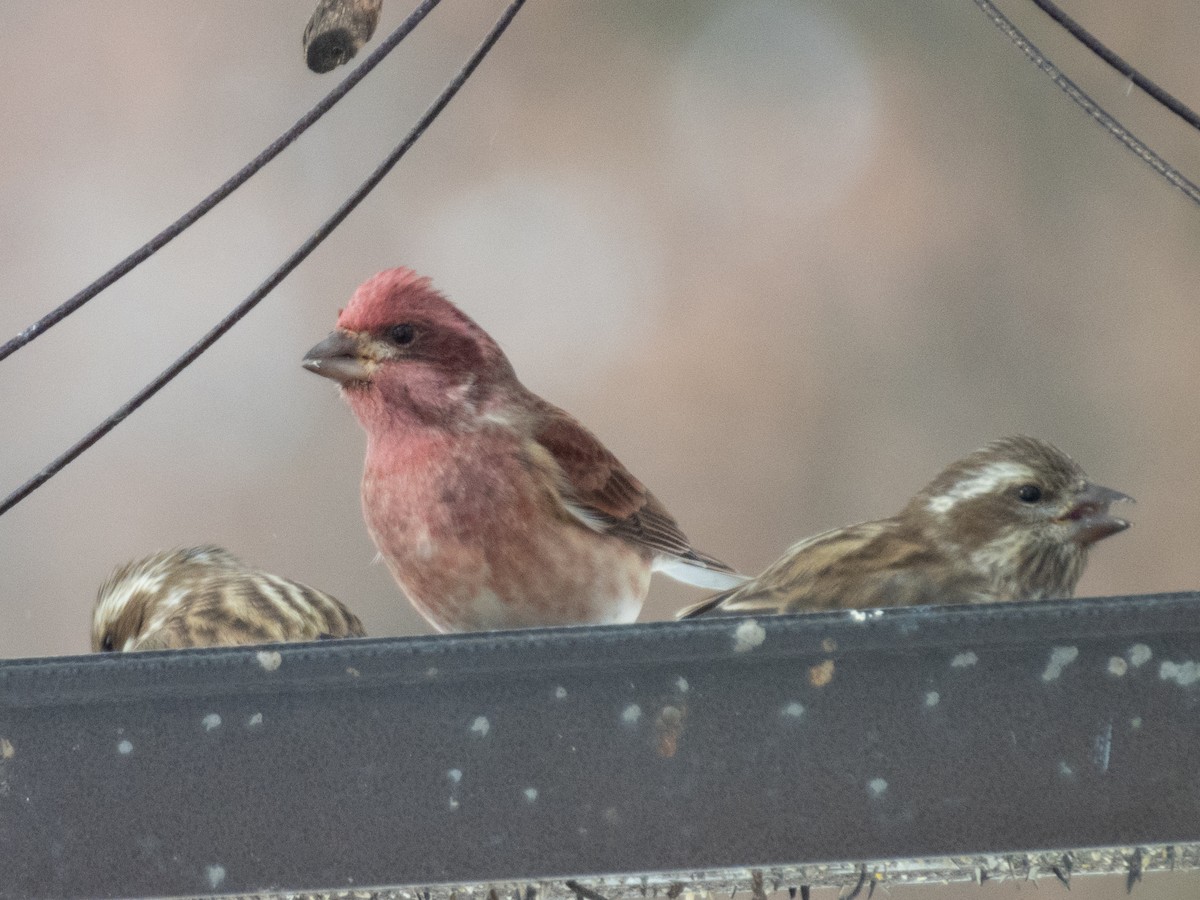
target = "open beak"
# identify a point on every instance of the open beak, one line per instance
(1089, 515)
(340, 357)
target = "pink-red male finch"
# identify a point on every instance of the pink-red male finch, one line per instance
(491, 507)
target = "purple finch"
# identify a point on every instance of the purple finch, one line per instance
(491, 507)
(206, 597)
(1012, 521)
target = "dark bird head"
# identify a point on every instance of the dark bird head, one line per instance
(1022, 510)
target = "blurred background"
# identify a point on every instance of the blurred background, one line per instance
(787, 259)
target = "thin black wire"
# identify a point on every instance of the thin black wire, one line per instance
(1085, 37)
(275, 278)
(189, 218)
(1090, 106)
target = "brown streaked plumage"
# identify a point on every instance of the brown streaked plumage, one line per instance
(206, 597)
(1011, 521)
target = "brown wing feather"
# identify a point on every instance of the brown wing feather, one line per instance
(225, 620)
(862, 566)
(596, 477)
(609, 495)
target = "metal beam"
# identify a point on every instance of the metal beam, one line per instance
(795, 746)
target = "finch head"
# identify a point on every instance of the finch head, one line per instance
(402, 348)
(1020, 491)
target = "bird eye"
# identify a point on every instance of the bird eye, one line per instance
(107, 644)
(1029, 493)
(402, 334)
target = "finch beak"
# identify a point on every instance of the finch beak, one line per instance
(1089, 517)
(340, 357)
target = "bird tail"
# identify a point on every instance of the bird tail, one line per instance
(700, 570)
(703, 607)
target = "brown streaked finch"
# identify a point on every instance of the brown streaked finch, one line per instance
(1012, 521)
(492, 508)
(206, 597)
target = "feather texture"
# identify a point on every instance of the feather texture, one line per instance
(206, 597)
(491, 507)
(1012, 521)
(607, 497)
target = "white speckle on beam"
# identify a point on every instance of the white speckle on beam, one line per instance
(1139, 654)
(216, 875)
(631, 714)
(124, 747)
(793, 710)
(1060, 658)
(932, 698)
(254, 721)
(481, 726)
(748, 635)
(531, 795)
(1183, 674)
(1117, 666)
(269, 660)
(560, 693)
(877, 786)
(455, 775)
(681, 685)
(1103, 748)
(964, 660)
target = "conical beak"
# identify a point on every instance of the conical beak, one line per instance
(1089, 515)
(339, 357)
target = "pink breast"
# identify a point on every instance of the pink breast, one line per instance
(478, 542)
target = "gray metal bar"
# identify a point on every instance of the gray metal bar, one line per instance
(537, 756)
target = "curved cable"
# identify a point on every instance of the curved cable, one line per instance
(1090, 106)
(1088, 40)
(274, 278)
(189, 218)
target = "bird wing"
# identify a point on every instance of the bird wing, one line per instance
(260, 608)
(168, 636)
(872, 564)
(602, 494)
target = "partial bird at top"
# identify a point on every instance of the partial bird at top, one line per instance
(207, 597)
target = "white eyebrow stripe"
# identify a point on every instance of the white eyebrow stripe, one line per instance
(984, 481)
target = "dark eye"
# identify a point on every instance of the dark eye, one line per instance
(402, 335)
(1029, 493)
(107, 644)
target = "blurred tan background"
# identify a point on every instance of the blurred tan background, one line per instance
(786, 258)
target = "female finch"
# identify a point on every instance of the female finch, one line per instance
(1012, 521)
(491, 507)
(206, 597)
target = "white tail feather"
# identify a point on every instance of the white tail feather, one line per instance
(697, 574)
